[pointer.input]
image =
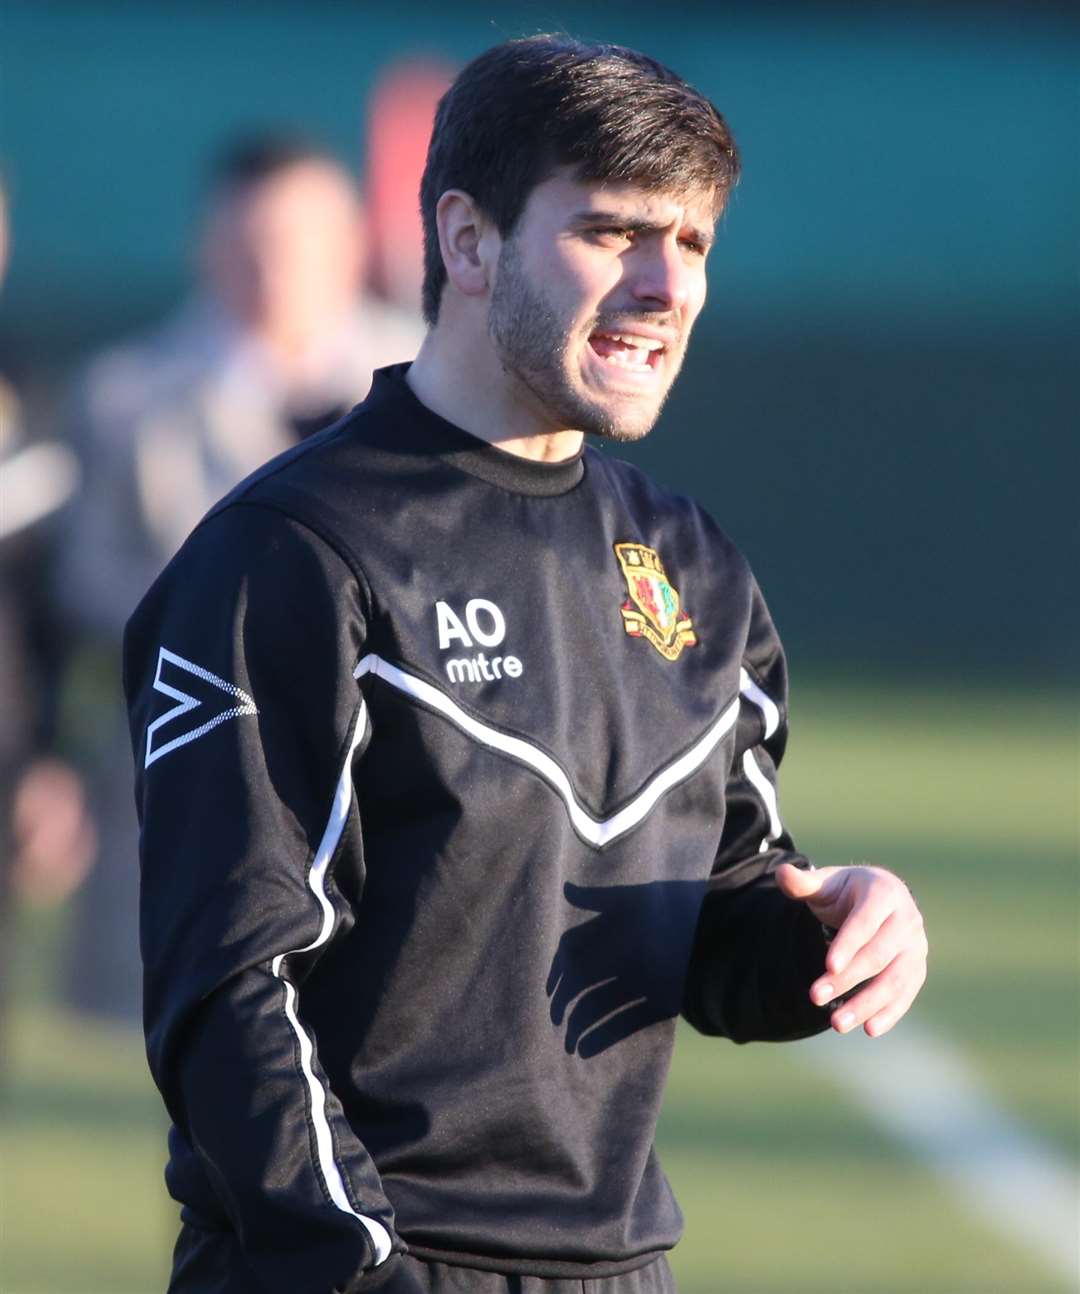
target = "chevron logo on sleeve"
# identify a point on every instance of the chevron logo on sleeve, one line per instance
(205, 702)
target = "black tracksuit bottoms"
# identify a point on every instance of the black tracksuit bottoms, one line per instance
(438, 1278)
(205, 1263)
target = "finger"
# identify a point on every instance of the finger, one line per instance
(883, 1021)
(895, 935)
(823, 889)
(800, 882)
(885, 998)
(855, 932)
(839, 893)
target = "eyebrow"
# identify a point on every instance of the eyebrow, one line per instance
(635, 225)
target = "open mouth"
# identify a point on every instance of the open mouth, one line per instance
(628, 351)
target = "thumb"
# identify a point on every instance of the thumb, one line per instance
(800, 882)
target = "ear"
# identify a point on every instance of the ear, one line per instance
(468, 241)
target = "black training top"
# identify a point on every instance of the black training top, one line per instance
(455, 774)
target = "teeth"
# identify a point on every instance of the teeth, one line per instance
(632, 339)
(628, 359)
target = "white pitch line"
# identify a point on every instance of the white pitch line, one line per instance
(922, 1090)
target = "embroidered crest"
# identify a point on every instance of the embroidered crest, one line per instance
(654, 609)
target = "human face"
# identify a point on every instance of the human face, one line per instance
(595, 294)
(284, 255)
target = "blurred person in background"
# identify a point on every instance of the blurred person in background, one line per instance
(277, 341)
(46, 838)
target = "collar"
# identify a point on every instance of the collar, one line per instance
(418, 428)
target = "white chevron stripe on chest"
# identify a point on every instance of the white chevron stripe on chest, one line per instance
(596, 831)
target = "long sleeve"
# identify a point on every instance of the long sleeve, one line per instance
(755, 951)
(246, 720)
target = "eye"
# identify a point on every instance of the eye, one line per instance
(611, 233)
(694, 246)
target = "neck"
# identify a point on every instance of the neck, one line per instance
(468, 386)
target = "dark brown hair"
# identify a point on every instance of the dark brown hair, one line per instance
(520, 110)
(250, 160)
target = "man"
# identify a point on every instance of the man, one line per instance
(276, 341)
(457, 747)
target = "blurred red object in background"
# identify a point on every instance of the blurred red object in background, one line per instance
(400, 112)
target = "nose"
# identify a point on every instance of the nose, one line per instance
(662, 276)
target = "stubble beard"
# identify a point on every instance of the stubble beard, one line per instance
(533, 347)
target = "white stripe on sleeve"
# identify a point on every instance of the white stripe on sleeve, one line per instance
(767, 792)
(770, 713)
(380, 1237)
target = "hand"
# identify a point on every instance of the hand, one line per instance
(54, 836)
(880, 942)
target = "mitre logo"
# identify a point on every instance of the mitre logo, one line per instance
(482, 623)
(654, 609)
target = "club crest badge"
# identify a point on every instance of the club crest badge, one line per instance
(654, 609)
